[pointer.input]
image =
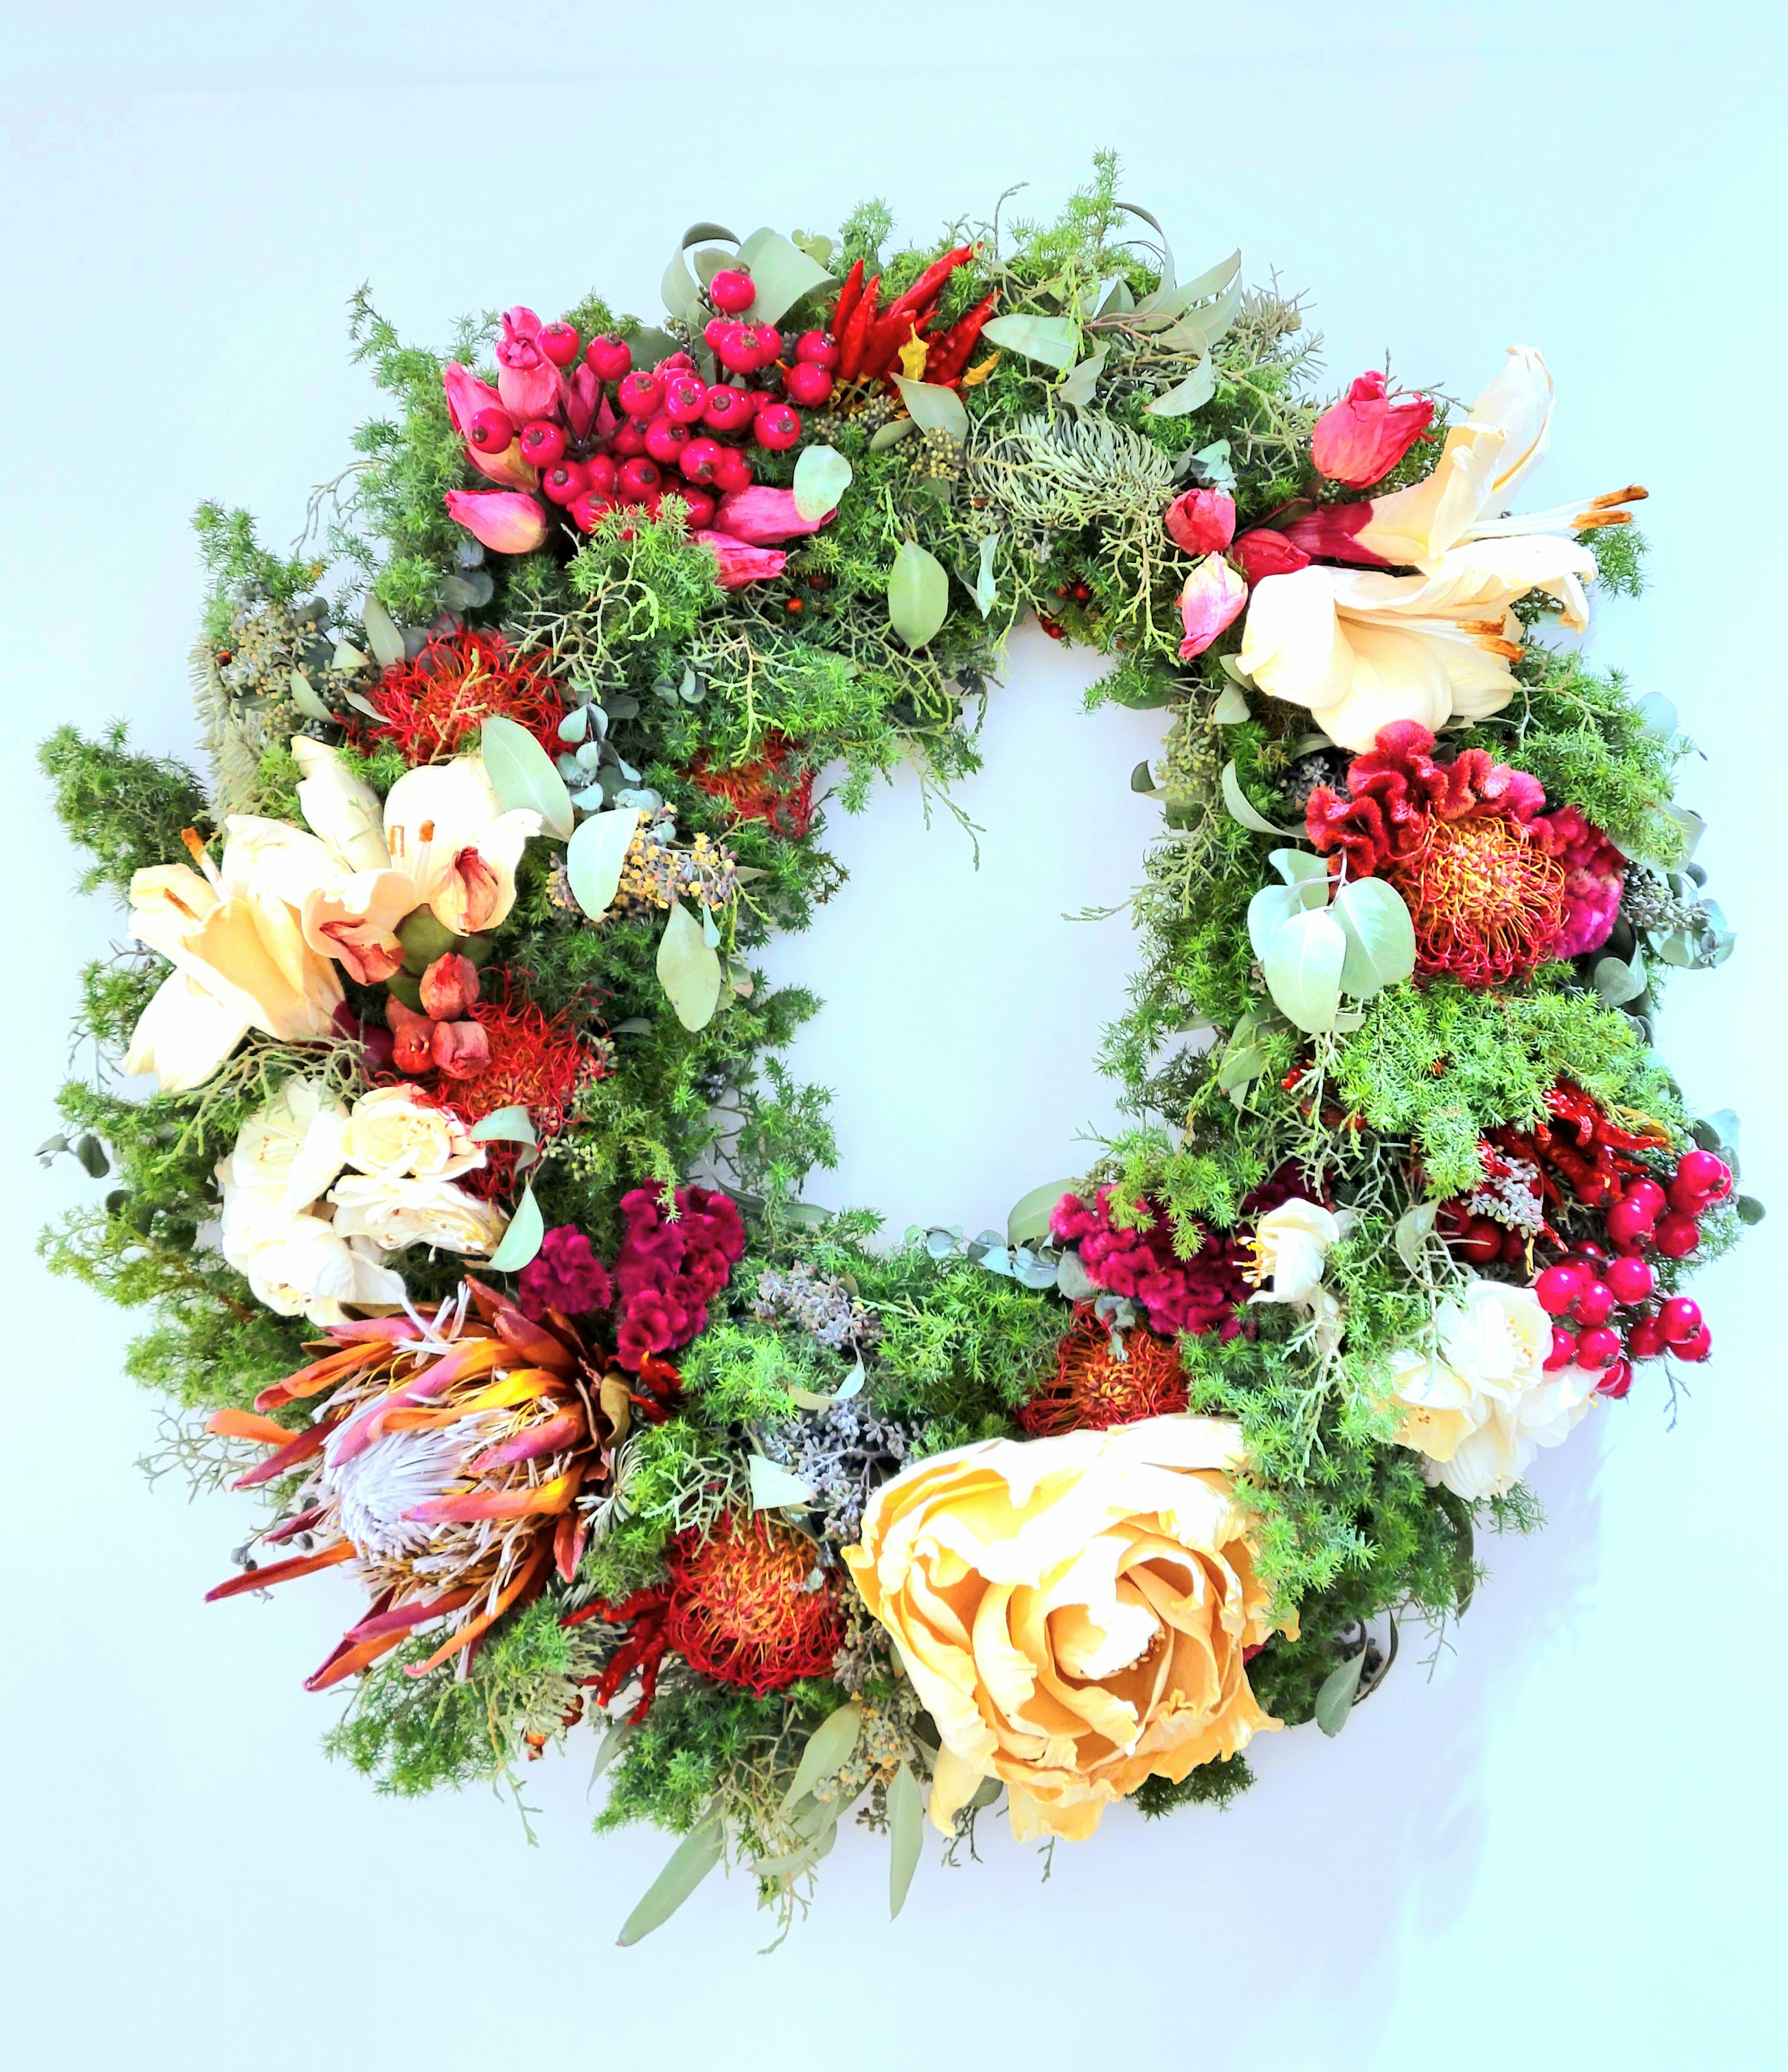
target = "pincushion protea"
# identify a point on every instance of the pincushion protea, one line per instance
(446, 1461)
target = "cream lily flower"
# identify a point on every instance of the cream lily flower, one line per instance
(393, 1212)
(240, 962)
(1360, 647)
(299, 1265)
(442, 839)
(296, 1144)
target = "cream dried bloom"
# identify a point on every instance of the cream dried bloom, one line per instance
(395, 1132)
(393, 1213)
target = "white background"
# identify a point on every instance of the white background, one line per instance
(1564, 1849)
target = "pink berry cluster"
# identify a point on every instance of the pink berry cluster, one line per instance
(1605, 1310)
(667, 1271)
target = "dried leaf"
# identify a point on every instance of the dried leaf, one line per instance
(933, 408)
(822, 475)
(905, 1830)
(829, 1747)
(522, 1240)
(772, 1485)
(504, 1125)
(382, 635)
(595, 855)
(1055, 341)
(1237, 801)
(918, 594)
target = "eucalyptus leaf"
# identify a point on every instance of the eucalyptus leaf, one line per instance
(575, 725)
(1335, 1700)
(362, 705)
(829, 1747)
(905, 1830)
(1185, 396)
(1080, 384)
(305, 697)
(1268, 912)
(1413, 1228)
(892, 434)
(619, 1733)
(1240, 1065)
(1750, 1210)
(692, 1860)
(1028, 1216)
(688, 969)
(1055, 341)
(986, 587)
(91, 1155)
(708, 233)
(1616, 983)
(918, 594)
(934, 407)
(522, 1240)
(782, 272)
(822, 475)
(1237, 801)
(1298, 866)
(1118, 299)
(1142, 779)
(681, 291)
(504, 1125)
(1231, 708)
(772, 1485)
(382, 633)
(1659, 714)
(1302, 966)
(1072, 1279)
(1381, 937)
(522, 775)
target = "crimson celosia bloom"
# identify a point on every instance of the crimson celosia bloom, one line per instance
(741, 1611)
(565, 1275)
(430, 708)
(670, 1267)
(1092, 1389)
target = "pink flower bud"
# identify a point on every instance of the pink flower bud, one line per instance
(412, 1037)
(761, 517)
(579, 404)
(1264, 553)
(460, 1049)
(1326, 534)
(450, 986)
(505, 520)
(1213, 598)
(739, 564)
(1360, 439)
(467, 395)
(528, 383)
(1203, 521)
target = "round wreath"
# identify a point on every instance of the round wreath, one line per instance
(469, 1195)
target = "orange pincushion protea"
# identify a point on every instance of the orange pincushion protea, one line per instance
(446, 1461)
(742, 1610)
(430, 708)
(1094, 1390)
(1486, 900)
(764, 789)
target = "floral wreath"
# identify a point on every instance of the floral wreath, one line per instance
(467, 1195)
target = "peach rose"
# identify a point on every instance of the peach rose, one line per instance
(1072, 1612)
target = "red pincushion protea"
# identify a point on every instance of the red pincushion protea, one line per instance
(1494, 885)
(430, 708)
(741, 1611)
(1093, 1389)
(537, 1062)
(763, 790)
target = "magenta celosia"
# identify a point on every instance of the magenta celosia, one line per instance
(565, 1275)
(1594, 873)
(670, 1267)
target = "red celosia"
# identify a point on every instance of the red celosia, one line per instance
(1094, 1390)
(565, 1275)
(1494, 885)
(742, 1609)
(669, 1268)
(430, 708)
(763, 790)
(1209, 1291)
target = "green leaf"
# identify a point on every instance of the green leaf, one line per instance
(829, 1747)
(1616, 983)
(1237, 801)
(772, 1485)
(1413, 1228)
(692, 1860)
(91, 1155)
(1335, 1700)
(681, 291)
(822, 475)
(1302, 966)
(1310, 873)
(522, 1240)
(1381, 937)
(1750, 1210)
(595, 854)
(1078, 386)
(1268, 912)
(649, 344)
(986, 587)
(382, 635)
(933, 408)
(918, 594)
(892, 434)
(619, 1733)
(708, 233)
(688, 969)
(1185, 396)
(304, 697)
(1053, 340)
(1028, 1216)
(522, 775)
(905, 1830)
(784, 273)
(1231, 708)
(504, 1125)
(1240, 1065)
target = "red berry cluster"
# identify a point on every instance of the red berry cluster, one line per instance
(1604, 1315)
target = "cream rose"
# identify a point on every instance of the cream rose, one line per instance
(1072, 1612)
(394, 1213)
(394, 1133)
(1292, 1243)
(299, 1265)
(1482, 1404)
(296, 1144)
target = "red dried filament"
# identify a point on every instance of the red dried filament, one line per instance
(741, 1611)
(1094, 1390)
(1486, 900)
(430, 708)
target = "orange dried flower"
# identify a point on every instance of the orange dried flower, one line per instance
(741, 1611)
(430, 708)
(1094, 1390)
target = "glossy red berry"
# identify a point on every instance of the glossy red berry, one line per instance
(1645, 1194)
(601, 470)
(629, 437)
(1630, 1223)
(1593, 1253)
(1556, 1289)
(559, 343)
(1696, 1348)
(493, 430)
(732, 290)
(665, 440)
(1595, 1304)
(608, 359)
(1677, 1235)
(565, 483)
(685, 398)
(542, 442)
(776, 427)
(733, 472)
(816, 348)
(1513, 1250)
(1596, 1347)
(1480, 1241)
(1563, 1351)
(807, 384)
(1709, 1176)
(702, 507)
(1644, 1340)
(1617, 1381)
(588, 508)
(700, 460)
(638, 479)
(641, 394)
(733, 345)
(728, 409)
(1631, 1279)
(766, 344)
(1679, 1320)
(673, 362)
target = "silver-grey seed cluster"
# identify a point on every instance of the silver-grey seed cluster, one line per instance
(1647, 902)
(844, 1453)
(1512, 1199)
(825, 1309)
